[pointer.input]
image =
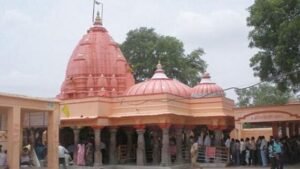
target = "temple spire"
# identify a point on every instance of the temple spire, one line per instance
(98, 20)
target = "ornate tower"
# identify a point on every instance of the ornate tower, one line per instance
(97, 67)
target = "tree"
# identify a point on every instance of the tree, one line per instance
(263, 94)
(143, 48)
(276, 25)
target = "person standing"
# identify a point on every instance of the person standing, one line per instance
(258, 155)
(232, 151)
(237, 152)
(272, 154)
(247, 154)
(103, 151)
(194, 155)
(252, 151)
(80, 154)
(89, 154)
(242, 151)
(263, 153)
(278, 153)
(207, 144)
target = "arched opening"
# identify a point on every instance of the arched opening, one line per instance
(105, 136)
(66, 139)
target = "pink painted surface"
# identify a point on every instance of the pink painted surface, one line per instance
(97, 67)
(158, 84)
(207, 88)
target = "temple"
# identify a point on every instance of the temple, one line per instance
(136, 123)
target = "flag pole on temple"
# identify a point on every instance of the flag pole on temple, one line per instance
(97, 3)
(93, 11)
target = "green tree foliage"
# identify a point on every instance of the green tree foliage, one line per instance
(143, 48)
(263, 94)
(276, 33)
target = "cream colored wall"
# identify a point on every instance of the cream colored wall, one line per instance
(90, 107)
(244, 133)
(149, 109)
(288, 112)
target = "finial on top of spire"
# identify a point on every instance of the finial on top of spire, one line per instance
(158, 66)
(206, 75)
(98, 20)
(159, 72)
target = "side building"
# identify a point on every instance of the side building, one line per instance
(274, 120)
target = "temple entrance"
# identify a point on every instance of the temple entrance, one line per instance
(66, 139)
(104, 145)
(126, 145)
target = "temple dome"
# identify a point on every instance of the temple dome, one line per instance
(207, 88)
(159, 84)
(97, 67)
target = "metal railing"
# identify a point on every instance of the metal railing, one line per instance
(213, 155)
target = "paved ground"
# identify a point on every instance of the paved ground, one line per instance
(171, 167)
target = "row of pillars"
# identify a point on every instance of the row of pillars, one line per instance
(288, 129)
(165, 158)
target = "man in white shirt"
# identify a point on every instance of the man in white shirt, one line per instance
(62, 151)
(242, 151)
(263, 151)
(227, 142)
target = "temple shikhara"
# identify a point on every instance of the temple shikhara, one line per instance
(151, 123)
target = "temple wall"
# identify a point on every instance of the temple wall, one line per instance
(80, 108)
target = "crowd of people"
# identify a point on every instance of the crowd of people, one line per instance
(260, 151)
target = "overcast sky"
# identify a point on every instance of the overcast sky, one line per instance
(37, 37)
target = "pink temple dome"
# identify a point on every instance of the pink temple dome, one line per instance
(97, 67)
(207, 88)
(159, 84)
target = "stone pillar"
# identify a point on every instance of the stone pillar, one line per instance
(76, 136)
(32, 136)
(297, 128)
(179, 158)
(275, 129)
(155, 146)
(14, 139)
(239, 127)
(129, 143)
(113, 146)
(140, 151)
(98, 153)
(283, 130)
(292, 128)
(165, 155)
(218, 137)
(287, 128)
(188, 143)
(52, 139)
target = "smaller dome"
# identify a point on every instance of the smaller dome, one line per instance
(207, 88)
(159, 84)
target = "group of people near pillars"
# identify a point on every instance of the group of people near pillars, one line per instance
(273, 151)
(82, 154)
(166, 142)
